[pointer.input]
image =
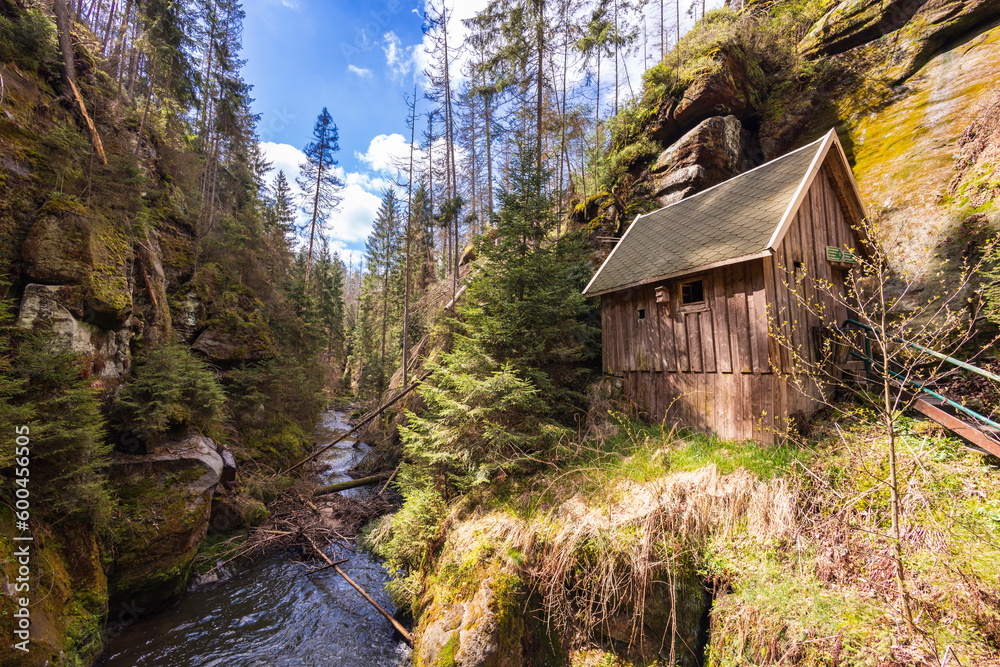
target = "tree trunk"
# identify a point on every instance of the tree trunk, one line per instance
(315, 211)
(145, 110)
(616, 58)
(65, 45)
(409, 219)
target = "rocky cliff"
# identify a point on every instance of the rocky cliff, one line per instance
(908, 84)
(106, 254)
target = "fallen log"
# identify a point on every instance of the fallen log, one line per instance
(343, 486)
(364, 422)
(94, 136)
(396, 624)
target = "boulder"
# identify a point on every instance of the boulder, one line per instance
(729, 85)
(715, 150)
(219, 346)
(67, 247)
(472, 634)
(59, 308)
(59, 249)
(166, 504)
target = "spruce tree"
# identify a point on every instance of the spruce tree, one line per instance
(382, 248)
(498, 399)
(318, 180)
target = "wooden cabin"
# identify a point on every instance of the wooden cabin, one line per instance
(687, 291)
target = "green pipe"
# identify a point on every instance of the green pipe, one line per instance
(950, 360)
(957, 406)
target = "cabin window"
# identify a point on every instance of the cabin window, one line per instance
(692, 292)
(642, 313)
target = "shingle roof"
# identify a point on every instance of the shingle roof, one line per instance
(734, 219)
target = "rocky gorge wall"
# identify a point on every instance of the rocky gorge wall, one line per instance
(908, 84)
(102, 259)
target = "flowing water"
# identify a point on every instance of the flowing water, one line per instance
(273, 614)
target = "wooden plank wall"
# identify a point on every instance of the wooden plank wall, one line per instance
(717, 369)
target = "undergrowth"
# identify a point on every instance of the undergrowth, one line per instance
(788, 542)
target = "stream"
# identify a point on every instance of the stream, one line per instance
(272, 614)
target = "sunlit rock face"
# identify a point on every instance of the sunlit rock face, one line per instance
(58, 308)
(714, 151)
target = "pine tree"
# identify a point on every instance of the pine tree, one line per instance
(524, 303)
(330, 297)
(68, 446)
(318, 180)
(280, 215)
(382, 248)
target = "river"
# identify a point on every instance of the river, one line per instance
(272, 614)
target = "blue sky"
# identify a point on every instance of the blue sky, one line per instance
(358, 59)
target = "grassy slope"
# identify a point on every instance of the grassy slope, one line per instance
(791, 538)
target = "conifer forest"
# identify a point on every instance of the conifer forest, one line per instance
(500, 333)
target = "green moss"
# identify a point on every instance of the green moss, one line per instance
(446, 656)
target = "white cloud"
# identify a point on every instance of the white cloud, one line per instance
(347, 255)
(284, 157)
(367, 181)
(353, 221)
(385, 151)
(360, 71)
(398, 58)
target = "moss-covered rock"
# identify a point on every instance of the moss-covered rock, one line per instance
(69, 246)
(60, 246)
(237, 329)
(68, 597)
(856, 22)
(166, 503)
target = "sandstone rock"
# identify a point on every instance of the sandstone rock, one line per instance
(468, 634)
(937, 23)
(59, 249)
(219, 346)
(729, 86)
(919, 28)
(715, 150)
(57, 307)
(66, 247)
(856, 22)
(228, 464)
(166, 505)
(187, 317)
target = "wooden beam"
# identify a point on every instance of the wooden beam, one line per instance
(958, 426)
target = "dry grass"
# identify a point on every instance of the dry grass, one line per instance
(594, 564)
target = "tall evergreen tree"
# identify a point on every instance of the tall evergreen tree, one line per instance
(318, 180)
(382, 248)
(496, 400)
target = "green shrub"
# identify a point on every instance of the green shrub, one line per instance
(404, 538)
(170, 388)
(68, 449)
(28, 39)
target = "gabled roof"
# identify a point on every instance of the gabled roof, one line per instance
(740, 219)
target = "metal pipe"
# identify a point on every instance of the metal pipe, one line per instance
(943, 357)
